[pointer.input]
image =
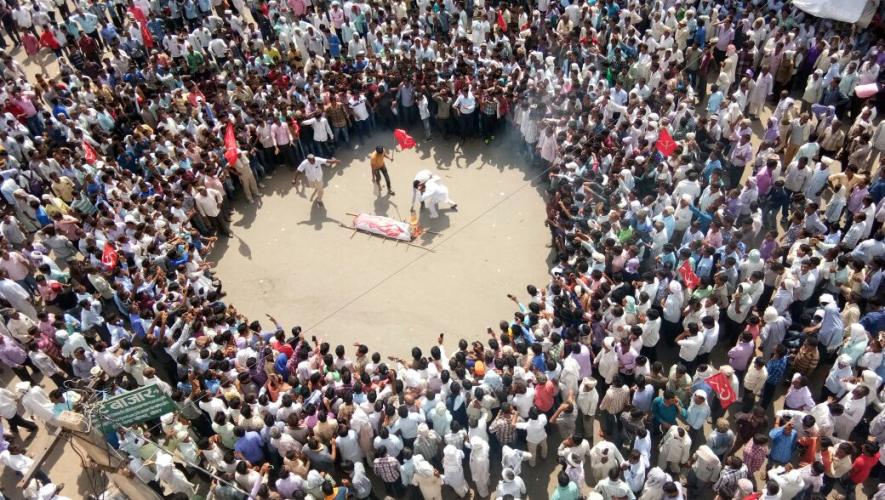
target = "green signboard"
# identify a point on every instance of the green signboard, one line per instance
(133, 407)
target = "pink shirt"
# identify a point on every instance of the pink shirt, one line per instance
(16, 265)
(280, 134)
(31, 44)
(25, 103)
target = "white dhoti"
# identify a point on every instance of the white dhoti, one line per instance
(171, 476)
(479, 465)
(433, 196)
(427, 480)
(453, 470)
(38, 405)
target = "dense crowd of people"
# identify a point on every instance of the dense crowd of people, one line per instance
(707, 263)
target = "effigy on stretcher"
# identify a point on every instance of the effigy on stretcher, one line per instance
(389, 228)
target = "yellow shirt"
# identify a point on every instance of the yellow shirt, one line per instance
(376, 159)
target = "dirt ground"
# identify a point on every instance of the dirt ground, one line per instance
(293, 259)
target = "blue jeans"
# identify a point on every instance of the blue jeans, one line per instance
(407, 114)
(321, 149)
(257, 168)
(35, 125)
(361, 129)
(341, 131)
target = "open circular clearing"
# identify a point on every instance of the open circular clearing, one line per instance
(291, 259)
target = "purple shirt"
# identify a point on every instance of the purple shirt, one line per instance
(739, 355)
(251, 446)
(735, 206)
(767, 248)
(726, 35)
(584, 362)
(763, 181)
(627, 360)
(855, 200)
(12, 355)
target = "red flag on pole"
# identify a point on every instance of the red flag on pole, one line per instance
(230, 144)
(688, 275)
(403, 139)
(137, 14)
(501, 23)
(722, 387)
(89, 153)
(146, 36)
(665, 143)
(109, 256)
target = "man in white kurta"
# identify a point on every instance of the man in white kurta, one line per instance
(428, 190)
(35, 402)
(453, 470)
(17, 297)
(479, 465)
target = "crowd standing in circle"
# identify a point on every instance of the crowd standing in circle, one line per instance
(758, 265)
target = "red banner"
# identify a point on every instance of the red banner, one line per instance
(688, 275)
(665, 143)
(501, 23)
(109, 256)
(230, 144)
(89, 153)
(722, 387)
(404, 140)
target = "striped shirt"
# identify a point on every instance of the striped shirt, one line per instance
(615, 400)
(387, 468)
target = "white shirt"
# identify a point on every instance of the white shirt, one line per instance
(19, 463)
(322, 132)
(358, 106)
(210, 203)
(534, 429)
(313, 171)
(690, 346)
(651, 332)
(465, 104)
(8, 404)
(711, 338)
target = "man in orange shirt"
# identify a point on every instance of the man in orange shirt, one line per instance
(379, 168)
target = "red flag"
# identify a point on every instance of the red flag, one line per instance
(137, 14)
(501, 23)
(665, 143)
(722, 387)
(109, 256)
(404, 140)
(230, 144)
(89, 153)
(146, 36)
(688, 275)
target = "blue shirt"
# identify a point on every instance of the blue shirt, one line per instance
(831, 329)
(109, 33)
(714, 101)
(877, 191)
(710, 167)
(782, 445)
(88, 22)
(696, 415)
(776, 369)
(251, 446)
(700, 36)
(661, 413)
(705, 267)
(704, 218)
(874, 321)
(334, 44)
